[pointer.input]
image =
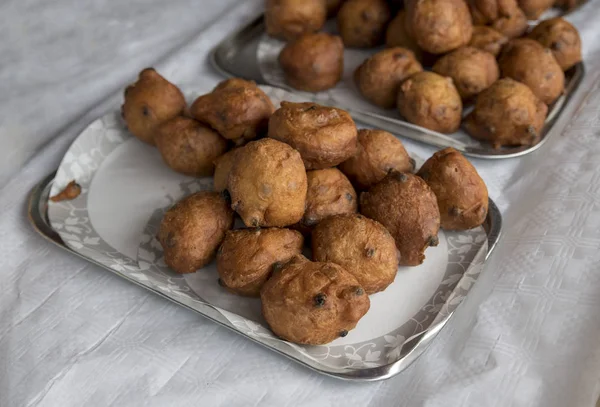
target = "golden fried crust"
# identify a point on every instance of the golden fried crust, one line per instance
(507, 114)
(439, 26)
(379, 152)
(223, 166)
(397, 35)
(324, 136)
(533, 9)
(407, 207)
(246, 258)
(379, 77)
(239, 110)
(361, 246)
(487, 39)
(472, 70)
(461, 194)
(188, 146)
(329, 193)
(192, 230)
(313, 62)
(312, 303)
(362, 23)
(527, 61)
(562, 38)
(268, 184)
(504, 16)
(289, 19)
(149, 102)
(431, 101)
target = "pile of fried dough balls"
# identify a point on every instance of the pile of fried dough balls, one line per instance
(469, 45)
(293, 174)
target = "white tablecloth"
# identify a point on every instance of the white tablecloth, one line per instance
(72, 334)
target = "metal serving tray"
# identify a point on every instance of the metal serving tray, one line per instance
(236, 56)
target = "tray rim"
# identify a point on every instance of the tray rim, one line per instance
(37, 213)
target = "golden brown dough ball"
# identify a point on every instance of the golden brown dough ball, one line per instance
(149, 102)
(439, 26)
(431, 101)
(487, 39)
(312, 303)
(379, 77)
(379, 152)
(361, 246)
(188, 146)
(527, 61)
(397, 35)
(504, 16)
(507, 114)
(407, 207)
(472, 70)
(324, 136)
(268, 184)
(247, 257)
(533, 9)
(362, 23)
(238, 109)
(562, 38)
(461, 194)
(223, 166)
(313, 62)
(289, 19)
(192, 230)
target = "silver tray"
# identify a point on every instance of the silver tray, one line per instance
(236, 56)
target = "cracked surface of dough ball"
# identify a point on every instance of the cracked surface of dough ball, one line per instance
(268, 184)
(431, 101)
(533, 9)
(562, 38)
(487, 39)
(289, 19)
(247, 257)
(504, 16)
(461, 194)
(362, 23)
(324, 136)
(472, 70)
(223, 166)
(507, 114)
(192, 230)
(313, 62)
(237, 109)
(379, 152)
(312, 303)
(188, 146)
(362, 246)
(439, 26)
(149, 102)
(527, 61)
(408, 209)
(397, 35)
(379, 77)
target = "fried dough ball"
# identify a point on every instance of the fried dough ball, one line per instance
(289, 19)
(238, 109)
(149, 102)
(379, 77)
(487, 39)
(268, 184)
(527, 61)
(507, 114)
(362, 246)
(397, 35)
(407, 207)
(223, 166)
(439, 26)
(333, 6)
(362, 23)
(379, 152)
(188, 146)
(472, 70)
(324, 136)
(247, 257)
(562, 38)
(192, 230)
(431, 101)
(313, 62)
(461, 194)
(533, 9)
(504, 16)
(312, 303)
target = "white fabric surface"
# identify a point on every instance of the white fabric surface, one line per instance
(72, 334)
